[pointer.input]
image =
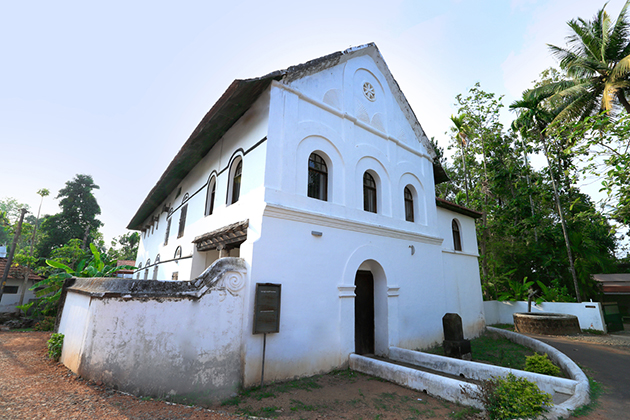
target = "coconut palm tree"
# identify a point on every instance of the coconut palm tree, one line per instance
(597, 59)
(533, 117)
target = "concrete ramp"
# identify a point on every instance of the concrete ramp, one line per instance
(433, 384)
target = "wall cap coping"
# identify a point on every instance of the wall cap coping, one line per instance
(112, 287)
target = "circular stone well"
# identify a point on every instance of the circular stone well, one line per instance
(546, 323)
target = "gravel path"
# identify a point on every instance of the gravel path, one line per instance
(34, 387)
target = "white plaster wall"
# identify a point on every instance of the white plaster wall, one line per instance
(467, 232)
(317, 276)
(328, 114)
(241, 138)
(140, 346)
(73, 325)
(302, 121)
(10, 300)
(589, 314)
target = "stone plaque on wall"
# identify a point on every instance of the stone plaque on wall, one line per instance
(267, 308)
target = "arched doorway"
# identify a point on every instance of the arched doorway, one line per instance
(364, 313)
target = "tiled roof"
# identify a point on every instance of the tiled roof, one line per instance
(17, 271)
(614, 284)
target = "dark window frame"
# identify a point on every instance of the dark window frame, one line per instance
(11, 290)
(370, 193)
(168, 231)
(182, 221)
(211, 195)
(457, 237)
(236, 181)
(317, 177)
(409, 211)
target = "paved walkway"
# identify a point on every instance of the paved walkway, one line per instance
(608, 365)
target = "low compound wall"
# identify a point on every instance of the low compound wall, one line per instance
(576, 387)
(589, 314)
(180, 340)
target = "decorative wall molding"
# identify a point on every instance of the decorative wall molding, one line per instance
(349, 117)
(346, 291)
(466, 254)
(287, 213)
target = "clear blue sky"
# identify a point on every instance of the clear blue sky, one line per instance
(113, 89)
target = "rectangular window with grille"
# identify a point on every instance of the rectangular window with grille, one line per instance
(182, 221)
(168, 231)
(11, 290)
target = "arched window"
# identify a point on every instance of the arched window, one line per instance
(369, 193)
(178, 252)
(457, 239)
(212, 190)
(235, 182)
(317, 177)
(408, 205)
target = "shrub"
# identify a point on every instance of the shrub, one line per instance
(512, 397)
(46, 324)
(55, 344)
(540, 363)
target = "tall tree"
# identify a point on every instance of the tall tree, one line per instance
(597, 59)
(128, 247)
(77, 219)
(531, 116)
(480, 112)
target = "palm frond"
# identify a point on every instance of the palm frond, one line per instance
(618, 41)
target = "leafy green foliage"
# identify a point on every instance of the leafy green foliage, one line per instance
(128, 247)
(79, 209)
(520, 236)
(540, 363)
(516, 290)
(46, 324)
(512, 397)
(48, 291)
(55, 345)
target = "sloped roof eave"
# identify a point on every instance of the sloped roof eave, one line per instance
(440, 202)
(236, 100)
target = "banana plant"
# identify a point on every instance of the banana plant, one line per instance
(48, 290)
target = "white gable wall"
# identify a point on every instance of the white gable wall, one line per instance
(327, 113)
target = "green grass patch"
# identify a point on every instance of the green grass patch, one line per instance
(499, 351)
(592, 331)
(464, 414)
(597, 390)
(272, 411)
(509, 327)
(494, 349)
(298, 405)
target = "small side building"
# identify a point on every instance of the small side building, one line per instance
(15, 286)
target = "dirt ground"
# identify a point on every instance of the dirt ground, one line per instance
(34, 387)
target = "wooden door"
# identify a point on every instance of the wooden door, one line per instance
(364, 313)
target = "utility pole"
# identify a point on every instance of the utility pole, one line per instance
(10, 259)
(43, 193)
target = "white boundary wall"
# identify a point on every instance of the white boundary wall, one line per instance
(590, 314)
